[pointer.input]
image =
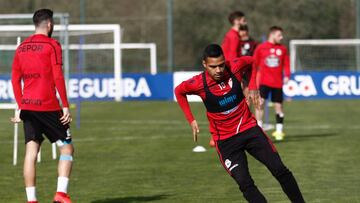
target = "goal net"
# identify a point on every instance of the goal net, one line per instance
(325, 55)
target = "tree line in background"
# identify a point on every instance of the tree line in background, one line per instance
(197, 23)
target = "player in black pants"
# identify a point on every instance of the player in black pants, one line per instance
(232, 126)
(257, 144)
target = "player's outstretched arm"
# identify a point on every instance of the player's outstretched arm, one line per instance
(180, 92)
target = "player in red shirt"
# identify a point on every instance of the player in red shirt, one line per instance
(38, 64)
(231, 42)
(272, 61)
(246, 48)
(247, 44)
(232, 125)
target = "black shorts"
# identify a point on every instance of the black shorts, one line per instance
(276, 93)
(232, 154)
(232, 150)
(37, 123)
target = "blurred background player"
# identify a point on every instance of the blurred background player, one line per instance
(232, 125)
(231, 41)
(246, 48)
(38, 63)
(272, 61)
(247, 43)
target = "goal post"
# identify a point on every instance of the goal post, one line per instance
(325, 55)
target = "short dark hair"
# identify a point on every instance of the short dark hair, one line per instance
(212, 50)
(234, 15)
(275, 28)
(42, 15)
(244, 28)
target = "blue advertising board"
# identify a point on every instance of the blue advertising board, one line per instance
(323, 85)
(101, 87)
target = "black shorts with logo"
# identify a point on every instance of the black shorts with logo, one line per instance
(232, 154)
(37, 123)
(276, 93)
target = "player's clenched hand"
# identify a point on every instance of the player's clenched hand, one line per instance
(195, 129)
(66, 117)
(254, 97)
(16, 118)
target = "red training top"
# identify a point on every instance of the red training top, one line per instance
(272, 61)
(231, 44)
(38, 63)
(225, 124)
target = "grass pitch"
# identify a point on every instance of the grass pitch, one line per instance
(142, 152)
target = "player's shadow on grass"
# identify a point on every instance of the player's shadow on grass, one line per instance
(132, 199)
(306, 137)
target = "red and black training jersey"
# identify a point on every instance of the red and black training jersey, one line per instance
(227, 110)
(247, 47)
(38, 63)
(230, 45)
(272, 61)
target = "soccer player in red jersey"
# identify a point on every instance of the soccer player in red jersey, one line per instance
(246, 48)
(231, 42)
(38, 64)
(272, 61)
(232, 125)
(247, 44)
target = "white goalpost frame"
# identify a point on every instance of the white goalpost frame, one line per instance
(107, 46)
(320, 42)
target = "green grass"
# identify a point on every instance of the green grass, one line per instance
(141, 152)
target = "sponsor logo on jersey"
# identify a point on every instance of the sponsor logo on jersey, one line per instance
(31, 76)
(246, 46)
(30, 47)
(36, 102)
(272, 61)
(227, 100)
